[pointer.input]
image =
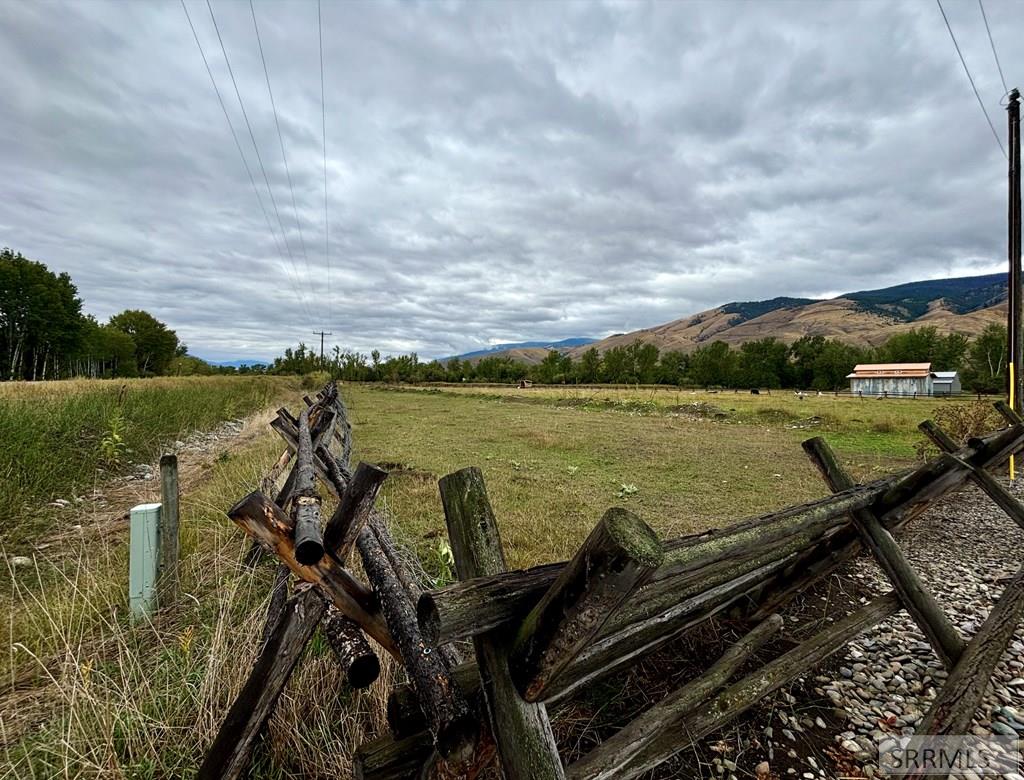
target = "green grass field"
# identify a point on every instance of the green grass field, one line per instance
(84, 693)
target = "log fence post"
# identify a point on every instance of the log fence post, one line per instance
(981, 477)
(1009, 413)
(522, 731)
(961, 695)
(353, 652)
(309, 542)
(353, 511)
(230, 753)
(914, 594)
(455, 728)
(170, 543)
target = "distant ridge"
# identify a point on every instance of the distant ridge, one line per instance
(497, 349)
(866, 318)
(238, 363)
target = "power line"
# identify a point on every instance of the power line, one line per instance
(280, 138)
(992, 43)
(255, 146)
(245, 162)
(323, 124)
(971, 79)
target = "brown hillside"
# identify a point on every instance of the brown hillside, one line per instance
(529, 356)
(837, 318)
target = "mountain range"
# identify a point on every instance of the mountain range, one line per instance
(525, 347)
(866, 318)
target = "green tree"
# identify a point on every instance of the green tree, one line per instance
(985, 364)
(925, 345)
(588, 368)
(455, 370)
(41, 324)
(189, 365)
(553, 369)
(713, 365)
(617, 366)
(832, 365)
(803, 355)
(645, 362)
(763, 363)
(155, 344)
(672, 368)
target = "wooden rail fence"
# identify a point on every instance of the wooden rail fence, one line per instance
(541, 634)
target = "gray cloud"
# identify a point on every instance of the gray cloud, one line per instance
(496, 171)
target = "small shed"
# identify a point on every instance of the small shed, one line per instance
(946, 383)
(897, 379)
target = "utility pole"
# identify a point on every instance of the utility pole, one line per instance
(321, 334)
(1013, 315)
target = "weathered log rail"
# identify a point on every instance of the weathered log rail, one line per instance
(541, 634)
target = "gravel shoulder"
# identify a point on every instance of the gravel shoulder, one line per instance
(883, 682)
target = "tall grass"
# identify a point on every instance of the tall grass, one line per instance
(59, 438)
(86, 693)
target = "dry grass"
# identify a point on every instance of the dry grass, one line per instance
(62, 439)
(554, 458)
(87, 693)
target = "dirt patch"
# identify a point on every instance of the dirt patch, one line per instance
(104, 510)
(398, 470)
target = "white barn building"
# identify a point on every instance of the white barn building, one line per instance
(897, 379)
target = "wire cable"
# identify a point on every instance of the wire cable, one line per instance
(323, 127)
(255, 146)
(280, 138)
(971, 79)
(245, 162)
(992, 43)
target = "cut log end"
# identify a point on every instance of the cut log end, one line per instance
(309, 551)
(429, 618)
(457, 739)
(635, 537)
(363, 671)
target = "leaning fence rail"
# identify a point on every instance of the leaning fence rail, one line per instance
(540, 635)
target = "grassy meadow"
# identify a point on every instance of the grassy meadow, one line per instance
(84, 693)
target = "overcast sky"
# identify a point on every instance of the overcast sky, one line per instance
(496, 171)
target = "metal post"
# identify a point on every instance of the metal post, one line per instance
(144, 555)
(1013, 316)
(170, 544)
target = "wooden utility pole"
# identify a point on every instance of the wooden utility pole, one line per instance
(1013, 316)
(322, 334)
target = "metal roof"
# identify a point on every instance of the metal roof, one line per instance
(890, 370)
(945, 376)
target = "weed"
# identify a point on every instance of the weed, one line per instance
(112, 446)
(964, 421)
(443, 563)
(625, 491)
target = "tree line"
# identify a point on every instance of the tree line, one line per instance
(810, 363)
(45, 335)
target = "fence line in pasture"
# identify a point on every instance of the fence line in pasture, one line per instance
(541, 635)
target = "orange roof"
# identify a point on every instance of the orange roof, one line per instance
(865, 370)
